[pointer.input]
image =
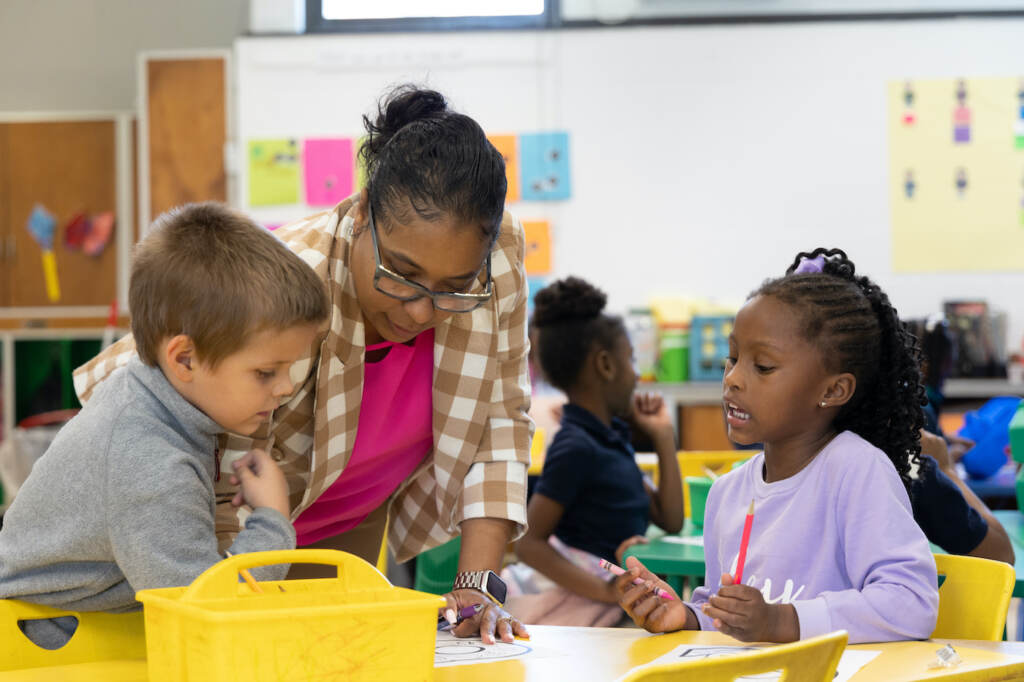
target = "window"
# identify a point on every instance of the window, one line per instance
(417, 15)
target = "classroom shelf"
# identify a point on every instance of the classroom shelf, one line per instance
(708, 392)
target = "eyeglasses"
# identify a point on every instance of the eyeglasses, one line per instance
(394, 285)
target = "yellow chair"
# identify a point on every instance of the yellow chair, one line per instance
(973, 597)
(537, 449)
(697, 463)
(382, 557)
(810, 660)
(99, 637)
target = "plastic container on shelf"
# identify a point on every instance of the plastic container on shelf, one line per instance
(643, 334)
(709, 346)
(673, 352)
(356, 626)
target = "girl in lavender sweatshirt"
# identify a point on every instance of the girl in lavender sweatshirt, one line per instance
(823, 373)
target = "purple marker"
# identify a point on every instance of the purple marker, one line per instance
(462, 614)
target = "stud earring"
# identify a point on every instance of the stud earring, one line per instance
(823, 403)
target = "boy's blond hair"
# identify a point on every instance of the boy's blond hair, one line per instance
(213, 274)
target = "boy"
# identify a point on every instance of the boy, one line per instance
(123, 498)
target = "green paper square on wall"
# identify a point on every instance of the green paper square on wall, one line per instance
(273, 172)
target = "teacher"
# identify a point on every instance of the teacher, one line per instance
(410, 410)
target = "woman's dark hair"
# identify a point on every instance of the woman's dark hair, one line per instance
(420, 151)
(569, 321)
(849, 318)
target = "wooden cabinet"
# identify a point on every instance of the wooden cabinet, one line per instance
(185, 130)
(68, 167)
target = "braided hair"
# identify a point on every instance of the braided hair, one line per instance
(850, 319)
(569, 318)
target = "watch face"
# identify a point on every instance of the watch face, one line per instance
(496, 587)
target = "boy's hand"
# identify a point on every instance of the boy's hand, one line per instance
(646, 608)
(651, 415)
(740, 611)
(262, 482)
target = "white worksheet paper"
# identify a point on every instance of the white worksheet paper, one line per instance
(452, 650)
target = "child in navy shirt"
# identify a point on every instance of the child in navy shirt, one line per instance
(592, 501)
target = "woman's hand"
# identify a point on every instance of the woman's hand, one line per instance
(740, 611)
(490, 621)
(645, 607)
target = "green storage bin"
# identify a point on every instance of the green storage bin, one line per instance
(698, 487)
(436, 568)
(1017, 437)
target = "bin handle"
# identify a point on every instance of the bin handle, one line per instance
(221, 579)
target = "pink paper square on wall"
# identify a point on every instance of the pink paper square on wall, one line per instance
(329, 168)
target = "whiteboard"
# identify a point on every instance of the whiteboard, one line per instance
(702, 158)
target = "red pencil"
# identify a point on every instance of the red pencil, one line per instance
(743, 544)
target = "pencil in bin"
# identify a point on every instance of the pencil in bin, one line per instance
(618, 570)
(247, 577)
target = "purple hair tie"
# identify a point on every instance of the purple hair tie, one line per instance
(815, 264)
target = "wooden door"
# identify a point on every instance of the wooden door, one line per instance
(7, 254)
(187, 131)
(68, 167)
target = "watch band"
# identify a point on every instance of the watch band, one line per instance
(473, 580)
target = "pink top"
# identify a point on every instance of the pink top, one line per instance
(394, 435)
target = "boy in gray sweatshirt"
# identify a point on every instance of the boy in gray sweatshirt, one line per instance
(123, 498)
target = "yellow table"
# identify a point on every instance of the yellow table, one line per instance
(597, 654)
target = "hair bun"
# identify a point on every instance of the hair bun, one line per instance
(567, 299)
(401, 106)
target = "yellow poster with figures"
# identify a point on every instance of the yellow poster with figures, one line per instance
(956, 174)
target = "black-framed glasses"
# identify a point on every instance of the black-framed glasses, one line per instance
(394, 285)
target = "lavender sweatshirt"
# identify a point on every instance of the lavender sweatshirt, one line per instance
(837, 540)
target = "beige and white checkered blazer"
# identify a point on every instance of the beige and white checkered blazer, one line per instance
(481, 395)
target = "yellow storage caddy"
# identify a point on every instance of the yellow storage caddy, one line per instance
(356, 626)
(99, 637)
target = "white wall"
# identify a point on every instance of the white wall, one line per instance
(703, 158)
(79, 55)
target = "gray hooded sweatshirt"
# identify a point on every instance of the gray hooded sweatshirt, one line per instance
(123, 501)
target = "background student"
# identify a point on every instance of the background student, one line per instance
(123, 500)
(822, 371)
(949, 512)
(592, 501)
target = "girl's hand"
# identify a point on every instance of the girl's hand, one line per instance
(740, 611)
(261, 482)
(626, 544)
(491, 620)
(645, 607)
(650, 414)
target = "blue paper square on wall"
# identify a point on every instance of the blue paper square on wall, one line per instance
(544, 164)
(534, 285)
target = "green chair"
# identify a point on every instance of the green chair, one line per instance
(436, 568)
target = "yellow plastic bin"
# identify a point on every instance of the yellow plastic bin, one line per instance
(99, 637)
(353, 627)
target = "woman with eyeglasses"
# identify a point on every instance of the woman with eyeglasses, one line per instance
(411, 408)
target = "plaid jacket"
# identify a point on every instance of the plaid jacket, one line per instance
(481, 394)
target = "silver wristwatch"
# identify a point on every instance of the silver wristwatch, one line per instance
(487, 582)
